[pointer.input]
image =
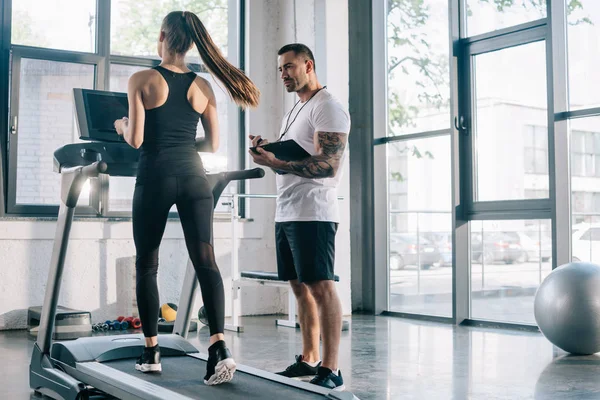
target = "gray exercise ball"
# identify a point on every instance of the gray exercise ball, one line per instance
(567, 307)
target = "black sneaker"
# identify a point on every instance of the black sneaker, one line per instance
(220, 366)
(149, 361)
(300, 370)
(326, 378)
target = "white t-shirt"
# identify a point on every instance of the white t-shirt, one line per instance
(305, 199)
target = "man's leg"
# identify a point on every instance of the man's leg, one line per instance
(313, 246)
(306, 365)
(308, 316)
(330, 318)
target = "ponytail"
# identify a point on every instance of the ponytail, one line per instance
(241, 89)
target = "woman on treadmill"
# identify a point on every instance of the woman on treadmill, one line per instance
(165, 105)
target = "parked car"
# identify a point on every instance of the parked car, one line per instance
(405, 250)
(496, 246)
(443, 241)
(586, 242)
(535, 249)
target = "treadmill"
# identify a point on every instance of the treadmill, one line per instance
(104, 365)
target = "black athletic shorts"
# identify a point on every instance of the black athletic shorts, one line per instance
(305, 250)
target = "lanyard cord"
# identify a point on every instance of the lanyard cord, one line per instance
(287, 127)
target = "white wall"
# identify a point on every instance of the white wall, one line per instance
(99, 270)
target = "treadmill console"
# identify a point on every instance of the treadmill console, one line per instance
(96, 112)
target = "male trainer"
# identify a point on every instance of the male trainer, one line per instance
(307, 213)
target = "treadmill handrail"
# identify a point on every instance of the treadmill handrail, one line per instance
(254, 173)
(89, 171)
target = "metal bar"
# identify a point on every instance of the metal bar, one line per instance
(57, 263)
(482, 258)
(508, 215)
(558, 134)
(103, 44)
(150, 62)
(459, 174)
(418, 258)
(13, 138)
(39, 53)
(507, 206)
(186, 301)
(498, 325)
(134, 61)
(515, 29)
(380, 157)
(411, 136)
(33, 210)
(419, 317)
(242, 116)
(5, 35)
(360, 95)
(510, 40)
(236, 303)
(419, 211)
(587, 112)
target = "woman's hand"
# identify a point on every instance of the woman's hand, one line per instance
(121, 125)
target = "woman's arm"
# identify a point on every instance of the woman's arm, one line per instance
(210, 121)
(132, 128)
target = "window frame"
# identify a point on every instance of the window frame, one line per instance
(101, 59)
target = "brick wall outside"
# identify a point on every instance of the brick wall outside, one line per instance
(46, 122)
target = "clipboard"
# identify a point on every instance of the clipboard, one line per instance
(286, 150)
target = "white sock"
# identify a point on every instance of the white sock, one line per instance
(336, 372)
(313, 364)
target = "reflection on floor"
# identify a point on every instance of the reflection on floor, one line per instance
(391, 358)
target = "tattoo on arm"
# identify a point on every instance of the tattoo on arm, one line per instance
(325, 164)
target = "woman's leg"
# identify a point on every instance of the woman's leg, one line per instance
(151, 203)
(195, 206)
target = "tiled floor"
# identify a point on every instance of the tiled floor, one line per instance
(391, 358)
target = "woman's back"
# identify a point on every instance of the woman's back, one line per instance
(173, 103)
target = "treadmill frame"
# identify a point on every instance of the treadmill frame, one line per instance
(55, 378)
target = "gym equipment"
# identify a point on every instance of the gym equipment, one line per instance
(567, 307)
(167, 314)
(70, 323)
(269, 279)
(202, 316)
(256, 278)
(168, 311)
(105, 364)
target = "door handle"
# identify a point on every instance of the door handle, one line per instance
(13, 126)
(459, 123)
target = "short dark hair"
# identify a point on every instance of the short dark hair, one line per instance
(298, 48)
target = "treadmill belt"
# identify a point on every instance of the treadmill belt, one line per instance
(185, 375)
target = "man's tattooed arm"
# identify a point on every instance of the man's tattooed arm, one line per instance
(330, 147)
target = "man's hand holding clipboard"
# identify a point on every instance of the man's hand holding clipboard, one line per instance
(276, 154)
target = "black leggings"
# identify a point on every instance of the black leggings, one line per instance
(152, 201)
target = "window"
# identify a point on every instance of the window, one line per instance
(536, 150)
(135, 25)
(55, 24)
(536, 194)
(485, 16)
(45, 110)
(50, 57)
(585, 150)
(503, 110)
(583, 41)
(417, 65)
